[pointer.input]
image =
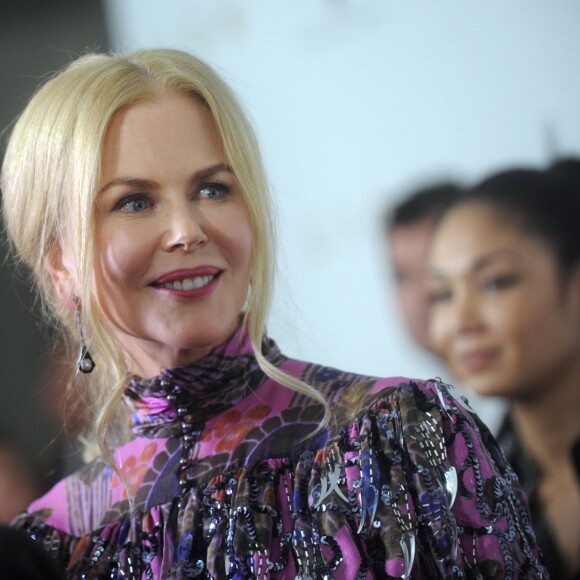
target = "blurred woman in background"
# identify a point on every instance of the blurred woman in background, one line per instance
(505, 291)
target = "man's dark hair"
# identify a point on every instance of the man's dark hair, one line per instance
(426, 203)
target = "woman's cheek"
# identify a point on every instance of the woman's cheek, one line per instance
(437, 333)
(122, 253)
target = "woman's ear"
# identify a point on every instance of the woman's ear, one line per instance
(62, 275)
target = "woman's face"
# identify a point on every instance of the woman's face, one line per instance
(502, 319)
(173, 239)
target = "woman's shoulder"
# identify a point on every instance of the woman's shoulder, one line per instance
(426, 417)
(351, 394)
(334, 382)
(94, 493)
(57, 506)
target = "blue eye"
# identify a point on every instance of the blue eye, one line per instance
(134, 204)
(213, 191)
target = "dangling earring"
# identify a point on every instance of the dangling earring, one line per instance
(85, 363)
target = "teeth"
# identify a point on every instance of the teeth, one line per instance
(189, 283)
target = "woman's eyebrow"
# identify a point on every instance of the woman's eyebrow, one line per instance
(480, 263)
(135, 182)
(207, 172)
(140, 183)
(494, 256)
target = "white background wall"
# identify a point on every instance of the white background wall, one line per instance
(355, 101)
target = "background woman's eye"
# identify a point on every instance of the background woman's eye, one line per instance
(500, 282)
(437, 296)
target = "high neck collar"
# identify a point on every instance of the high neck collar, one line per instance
(198, 391)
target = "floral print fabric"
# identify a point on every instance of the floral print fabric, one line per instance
(231, 479)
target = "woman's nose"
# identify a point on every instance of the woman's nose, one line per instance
(184, 230)
(466, 314)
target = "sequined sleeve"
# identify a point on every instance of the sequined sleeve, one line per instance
(429, 490)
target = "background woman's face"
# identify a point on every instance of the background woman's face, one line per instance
(500, 316)
(173, 239)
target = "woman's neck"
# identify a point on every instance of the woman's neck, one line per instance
(548, 425)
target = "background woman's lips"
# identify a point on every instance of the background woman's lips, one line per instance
(478, 360)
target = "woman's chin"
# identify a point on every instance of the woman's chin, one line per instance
(487, 386)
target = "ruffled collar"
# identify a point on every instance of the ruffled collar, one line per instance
(199, 391)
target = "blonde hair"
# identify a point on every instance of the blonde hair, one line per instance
(50, 178)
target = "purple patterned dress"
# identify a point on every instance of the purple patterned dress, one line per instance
(228, 483)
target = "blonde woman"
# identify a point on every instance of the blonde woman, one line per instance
(134, 190)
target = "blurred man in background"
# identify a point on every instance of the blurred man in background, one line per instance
(409, 226)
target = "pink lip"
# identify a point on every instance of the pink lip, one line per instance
(478, 360)
(182, 275)
(186, 273)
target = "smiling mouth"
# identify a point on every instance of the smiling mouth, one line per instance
(188, 283)
(479, 360)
